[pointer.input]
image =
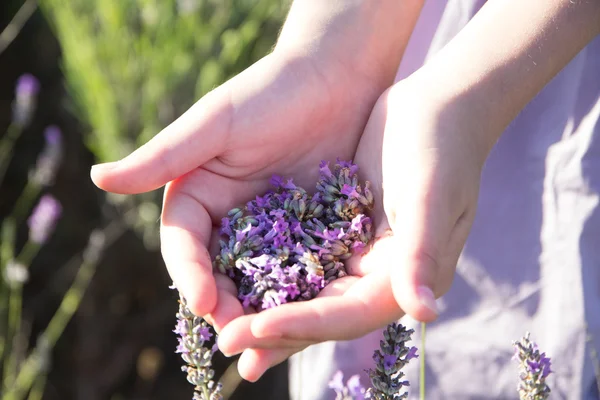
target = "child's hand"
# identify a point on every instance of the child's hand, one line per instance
(283, 115)
(425, 158)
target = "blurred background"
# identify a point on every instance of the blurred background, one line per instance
(85, 309)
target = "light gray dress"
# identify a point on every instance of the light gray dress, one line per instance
(532, 261)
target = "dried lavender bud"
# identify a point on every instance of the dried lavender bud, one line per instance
(389, 360)
(287, 244)
(50, 158)
(534, 368)
(43, 219)
(352, 390)
(25, 98)
(193, 333)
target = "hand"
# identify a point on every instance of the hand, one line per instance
(283, 115)
(424, 165)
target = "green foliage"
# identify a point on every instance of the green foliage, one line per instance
(133, 66)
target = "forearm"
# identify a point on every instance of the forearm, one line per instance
(366, 36)
(505, 56)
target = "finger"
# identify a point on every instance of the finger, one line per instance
(237, 336)
(185, 229)
(197, 136)
(253, 363)
(424, 226)
(367, 305)
(228, 306)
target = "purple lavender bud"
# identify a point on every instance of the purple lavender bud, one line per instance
(43, 219)
(25, 98)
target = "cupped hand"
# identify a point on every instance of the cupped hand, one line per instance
(423, 159)
(283, 115)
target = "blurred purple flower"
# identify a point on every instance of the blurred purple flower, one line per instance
(26, 92)
(534, 368)
(43, 219)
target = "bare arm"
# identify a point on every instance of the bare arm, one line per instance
(505, 56)
(366, 36)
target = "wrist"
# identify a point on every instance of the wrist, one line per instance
(366, 38)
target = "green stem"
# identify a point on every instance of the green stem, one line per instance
(6, 254)
(422, 364)
(6, 145)
(37, 391)
(69, 305)
(26, 200)
(15, 308)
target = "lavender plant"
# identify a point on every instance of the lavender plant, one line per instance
(23, 372)
(386, 378)
(193, 333)
(351, 390)
(534, 368)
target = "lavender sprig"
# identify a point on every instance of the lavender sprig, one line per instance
(25, 99)
(352, 390)
(288, 244)
(193, 333)
(534, 368)
(393, 356)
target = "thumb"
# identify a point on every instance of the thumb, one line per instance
(422, 231)
(193, 139)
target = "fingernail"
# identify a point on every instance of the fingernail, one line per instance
(427, 298)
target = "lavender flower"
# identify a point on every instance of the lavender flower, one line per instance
(43, 219)
(534, 368)
(288, 245)
(394, 355)
(49, 159)
(352, 390)
(25, 98)
(193, 334)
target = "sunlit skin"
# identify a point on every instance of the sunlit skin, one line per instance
(423, 148)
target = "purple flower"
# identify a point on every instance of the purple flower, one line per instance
(324, 170)
(337, 382)
(203, 332)
(412, 353)
(268, 248)
(352, 390)
(534, 368)
(43, 219)
(389, 361)
(349, 191)
(386, 378)
(25, 97)
(355, 388)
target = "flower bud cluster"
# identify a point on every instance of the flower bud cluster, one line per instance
(43, 219)
(25, 99)
(386, 378)
(193, 334)
(352, 390)
(534, 368)
(288, 244)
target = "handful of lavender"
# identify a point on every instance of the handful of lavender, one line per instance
(281, 247)
(288, 244)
